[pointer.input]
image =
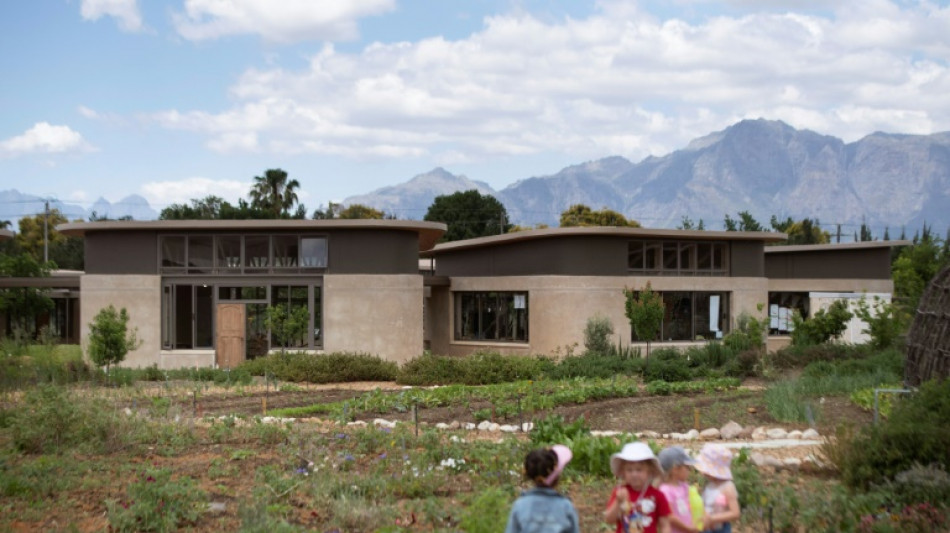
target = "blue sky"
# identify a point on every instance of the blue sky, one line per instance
(178, 99)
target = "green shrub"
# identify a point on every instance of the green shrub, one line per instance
(823, 326)
(480, 368)
(109, 338)
(667, 364)
(659, 388)
(37, 364)
(886, 322)
(591, 454)
(488, 511)
(155, 502)
(326, 368)
(597, 334)
(917, 432)
(918, 484)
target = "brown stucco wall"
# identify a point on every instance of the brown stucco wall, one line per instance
(845, 263)
(376, 314)
(140, 295)
(559, 306)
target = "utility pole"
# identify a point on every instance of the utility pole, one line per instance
(46, 233)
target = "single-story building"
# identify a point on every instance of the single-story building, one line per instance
(197, 291)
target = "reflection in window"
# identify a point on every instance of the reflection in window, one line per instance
(285, 251)
(228, 252)
(678, 258)
(313, 252)
(492, 316)
(173, 252)
(291, 298)
(256, 253)
(692, 316)
(200, 254)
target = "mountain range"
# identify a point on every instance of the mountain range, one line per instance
(15, 205)
(762, 166)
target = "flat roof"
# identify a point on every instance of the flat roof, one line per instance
(5, 234)
(866, 245)
(643, 233)
(429, 232)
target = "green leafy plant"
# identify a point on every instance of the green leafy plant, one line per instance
(156, 502)
(287, 327)
(823, 326)
(109, 338)
(597, 334)
(644, 309)
(885, 321)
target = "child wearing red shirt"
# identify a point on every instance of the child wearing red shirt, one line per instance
(635, 505)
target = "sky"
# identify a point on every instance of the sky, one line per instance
(175, 100)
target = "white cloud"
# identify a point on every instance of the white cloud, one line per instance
(164, 193)
(619, 82)
(126, 12)
(279, 21)
(44, 137)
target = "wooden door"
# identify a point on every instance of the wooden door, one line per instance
(230, 335)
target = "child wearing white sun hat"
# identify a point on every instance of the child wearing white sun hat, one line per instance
(720, 497)
(635, 506)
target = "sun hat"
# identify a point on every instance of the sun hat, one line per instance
(674, 456)
(714, 461)
(564, 456)
(633, 452)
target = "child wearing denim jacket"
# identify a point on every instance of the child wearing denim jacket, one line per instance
(543, 509)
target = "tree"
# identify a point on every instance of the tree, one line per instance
(582, 215)
(4, 224)
(274, 193)
(109, 337)
(644, 310)
(468, 215)
(885, 321)
(914, 267)
(688, 224)
(31, 236)
(360, 211)
(805, 231)
(23, 304)
(287, 327)
(745, 223)
(207, 208)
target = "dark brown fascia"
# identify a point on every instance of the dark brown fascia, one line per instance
(429, 232)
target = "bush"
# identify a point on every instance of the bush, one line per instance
(591, 454)
(487, 512)
(38, 364)
(109, 338)
(594, 365)
(328, 368)
(597, 334)
(823, 326)
(799, 356)
(667, 364)
(917, 432)
(480, 368)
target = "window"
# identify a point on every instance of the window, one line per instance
(187, 316)
(692, 316)
(782, 306)
(678, 258)
(491, 316)
(291, 298)
(236, 254)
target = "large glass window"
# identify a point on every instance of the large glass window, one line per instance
(200, 254)
(491, 316)
(285, 251)
(256, 254)
(187, 316)
(782, 306)
(228, 256)
(692, 316)
(291, 298)
(313, 252)
(678, 258)
(173, 253)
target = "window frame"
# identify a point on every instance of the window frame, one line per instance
(469, 306)
(666, 258)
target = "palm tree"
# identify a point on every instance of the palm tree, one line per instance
(4, 224)
(274, 193)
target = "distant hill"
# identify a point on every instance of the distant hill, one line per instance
(15, 205)
(761, 166)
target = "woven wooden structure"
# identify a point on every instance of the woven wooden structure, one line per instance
(928, 341)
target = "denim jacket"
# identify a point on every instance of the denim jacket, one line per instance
(543, 510)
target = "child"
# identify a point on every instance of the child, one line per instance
(634, 505)
(676, 465)
(719, 495)
(543, 509)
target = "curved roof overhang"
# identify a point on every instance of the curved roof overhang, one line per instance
(639, 233)
(428, 232)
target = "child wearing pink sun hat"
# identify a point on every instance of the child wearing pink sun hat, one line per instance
(720, 497)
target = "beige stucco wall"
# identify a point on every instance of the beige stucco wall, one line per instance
(140, 296)
(376, 314)
(559, 306)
